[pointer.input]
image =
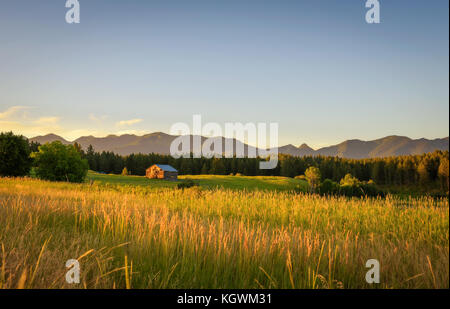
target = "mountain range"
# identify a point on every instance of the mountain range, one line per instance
(357, 149)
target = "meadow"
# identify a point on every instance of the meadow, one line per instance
(241, 232)
(206, 181)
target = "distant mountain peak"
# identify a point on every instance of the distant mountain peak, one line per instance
(159, 142)
(305, 147)
(42, 139)
(290, 146)
(50, 135)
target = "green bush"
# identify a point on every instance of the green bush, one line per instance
(349, 190)
(350, 181)
(370, 189)
(329, 187)
(187, 184)
(14, 155)
(58, 162)
(360, 190)
(351, 186)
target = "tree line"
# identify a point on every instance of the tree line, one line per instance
(51, 161)
(55, 161)
(430, 169)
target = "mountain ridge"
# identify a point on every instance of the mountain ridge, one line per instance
(159, 142)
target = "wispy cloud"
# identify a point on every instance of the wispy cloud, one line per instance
(17, 119)
(130, 122)
(13, 112)
(20, 121)
(47, 121)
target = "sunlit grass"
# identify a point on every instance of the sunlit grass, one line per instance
(133, 236)
(207, 181)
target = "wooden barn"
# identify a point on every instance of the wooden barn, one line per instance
(161, 171)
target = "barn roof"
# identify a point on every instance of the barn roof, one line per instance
(166, 168)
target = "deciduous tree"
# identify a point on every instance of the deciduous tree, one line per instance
(14, 155)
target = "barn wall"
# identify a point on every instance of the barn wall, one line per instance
(151, 173)
(170, 175)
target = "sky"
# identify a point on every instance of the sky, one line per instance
(315, 67)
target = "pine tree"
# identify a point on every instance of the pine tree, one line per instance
(444, 173)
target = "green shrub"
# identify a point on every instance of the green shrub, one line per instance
(350, 180)
(58, 162)
(187, 184)
(329, 187)
(370, 189)
(351, 186)
(363, 189)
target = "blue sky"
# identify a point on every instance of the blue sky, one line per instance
(315, 67)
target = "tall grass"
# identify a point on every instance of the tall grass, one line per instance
(167, 238)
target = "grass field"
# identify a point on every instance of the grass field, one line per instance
(130, 232)
(207, 182)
